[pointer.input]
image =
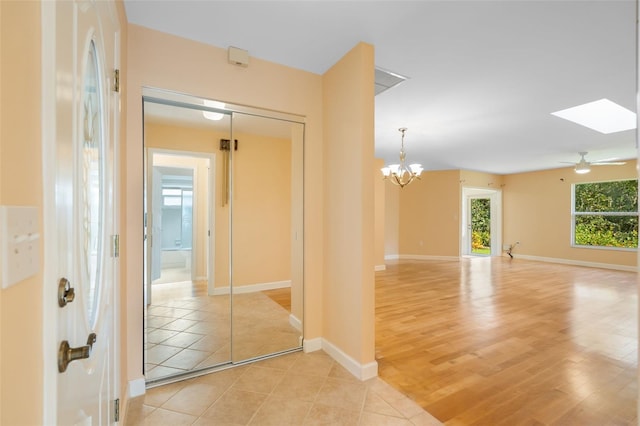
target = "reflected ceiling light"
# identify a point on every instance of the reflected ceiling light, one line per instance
(603, 116)
(400, 174)
(210, 115)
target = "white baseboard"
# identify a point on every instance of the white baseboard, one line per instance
(295, 322)
(362, 372)
(380, 268)
(521, 256)
(577, 263)
(252, 288)
(420, 257)
(312, 345)
(136, 387)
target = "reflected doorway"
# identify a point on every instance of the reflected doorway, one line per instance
(182, 333)
(175, 211)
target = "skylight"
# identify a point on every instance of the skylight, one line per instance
(603, 116)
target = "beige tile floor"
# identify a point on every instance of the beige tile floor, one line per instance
(292, 389)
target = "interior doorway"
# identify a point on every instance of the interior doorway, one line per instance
(481, 222)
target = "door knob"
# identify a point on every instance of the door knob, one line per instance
(66, 354)
(66, 293)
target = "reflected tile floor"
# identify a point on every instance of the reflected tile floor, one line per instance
(187, 333)
(292, 389)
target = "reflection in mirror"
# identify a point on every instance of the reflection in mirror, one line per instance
(266, 238)
(186, 327)
(223, 234)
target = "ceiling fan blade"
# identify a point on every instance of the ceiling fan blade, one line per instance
(608, 163)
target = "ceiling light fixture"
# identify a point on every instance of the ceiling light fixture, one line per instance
(210, 115)
(400, 174)
(582, 167)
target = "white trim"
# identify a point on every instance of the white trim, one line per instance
(423, 257)
(205, 278)
(50, 261)
(391, 256)
(295, 322)
(136, 387)
(578, 263)
(312, 345)
(380, 268)
(362, 372)
(252, 288)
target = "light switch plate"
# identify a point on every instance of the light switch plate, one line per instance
(19, 243)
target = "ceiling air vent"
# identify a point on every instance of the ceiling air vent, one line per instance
(386, 80)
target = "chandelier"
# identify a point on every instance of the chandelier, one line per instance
(400, 174)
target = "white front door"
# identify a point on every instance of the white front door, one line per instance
(86, 123)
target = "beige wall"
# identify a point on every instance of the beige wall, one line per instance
(473, 179)
(159, 60)
(537, 213)
(21, 322)
(348, 293)
(379, 213)
(430, 215)
(391, 219)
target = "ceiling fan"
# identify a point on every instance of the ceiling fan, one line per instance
(584, 166)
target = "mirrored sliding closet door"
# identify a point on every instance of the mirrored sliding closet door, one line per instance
(223, 234)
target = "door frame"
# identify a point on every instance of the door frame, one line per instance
(50, 272)
(495, 197)
(210, 245)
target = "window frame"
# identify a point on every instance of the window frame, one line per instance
(575, 214)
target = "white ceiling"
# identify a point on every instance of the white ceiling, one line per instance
(484, 76)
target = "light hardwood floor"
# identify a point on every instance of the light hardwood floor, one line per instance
(495, 341)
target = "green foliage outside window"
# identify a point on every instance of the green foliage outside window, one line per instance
(480, 225)
(606, 214)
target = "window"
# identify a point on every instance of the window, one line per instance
(605, 214)
(172, 197)
(177, 218)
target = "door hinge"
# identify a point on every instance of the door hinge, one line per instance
(116, 80)
(115, 245)
(116, 410)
